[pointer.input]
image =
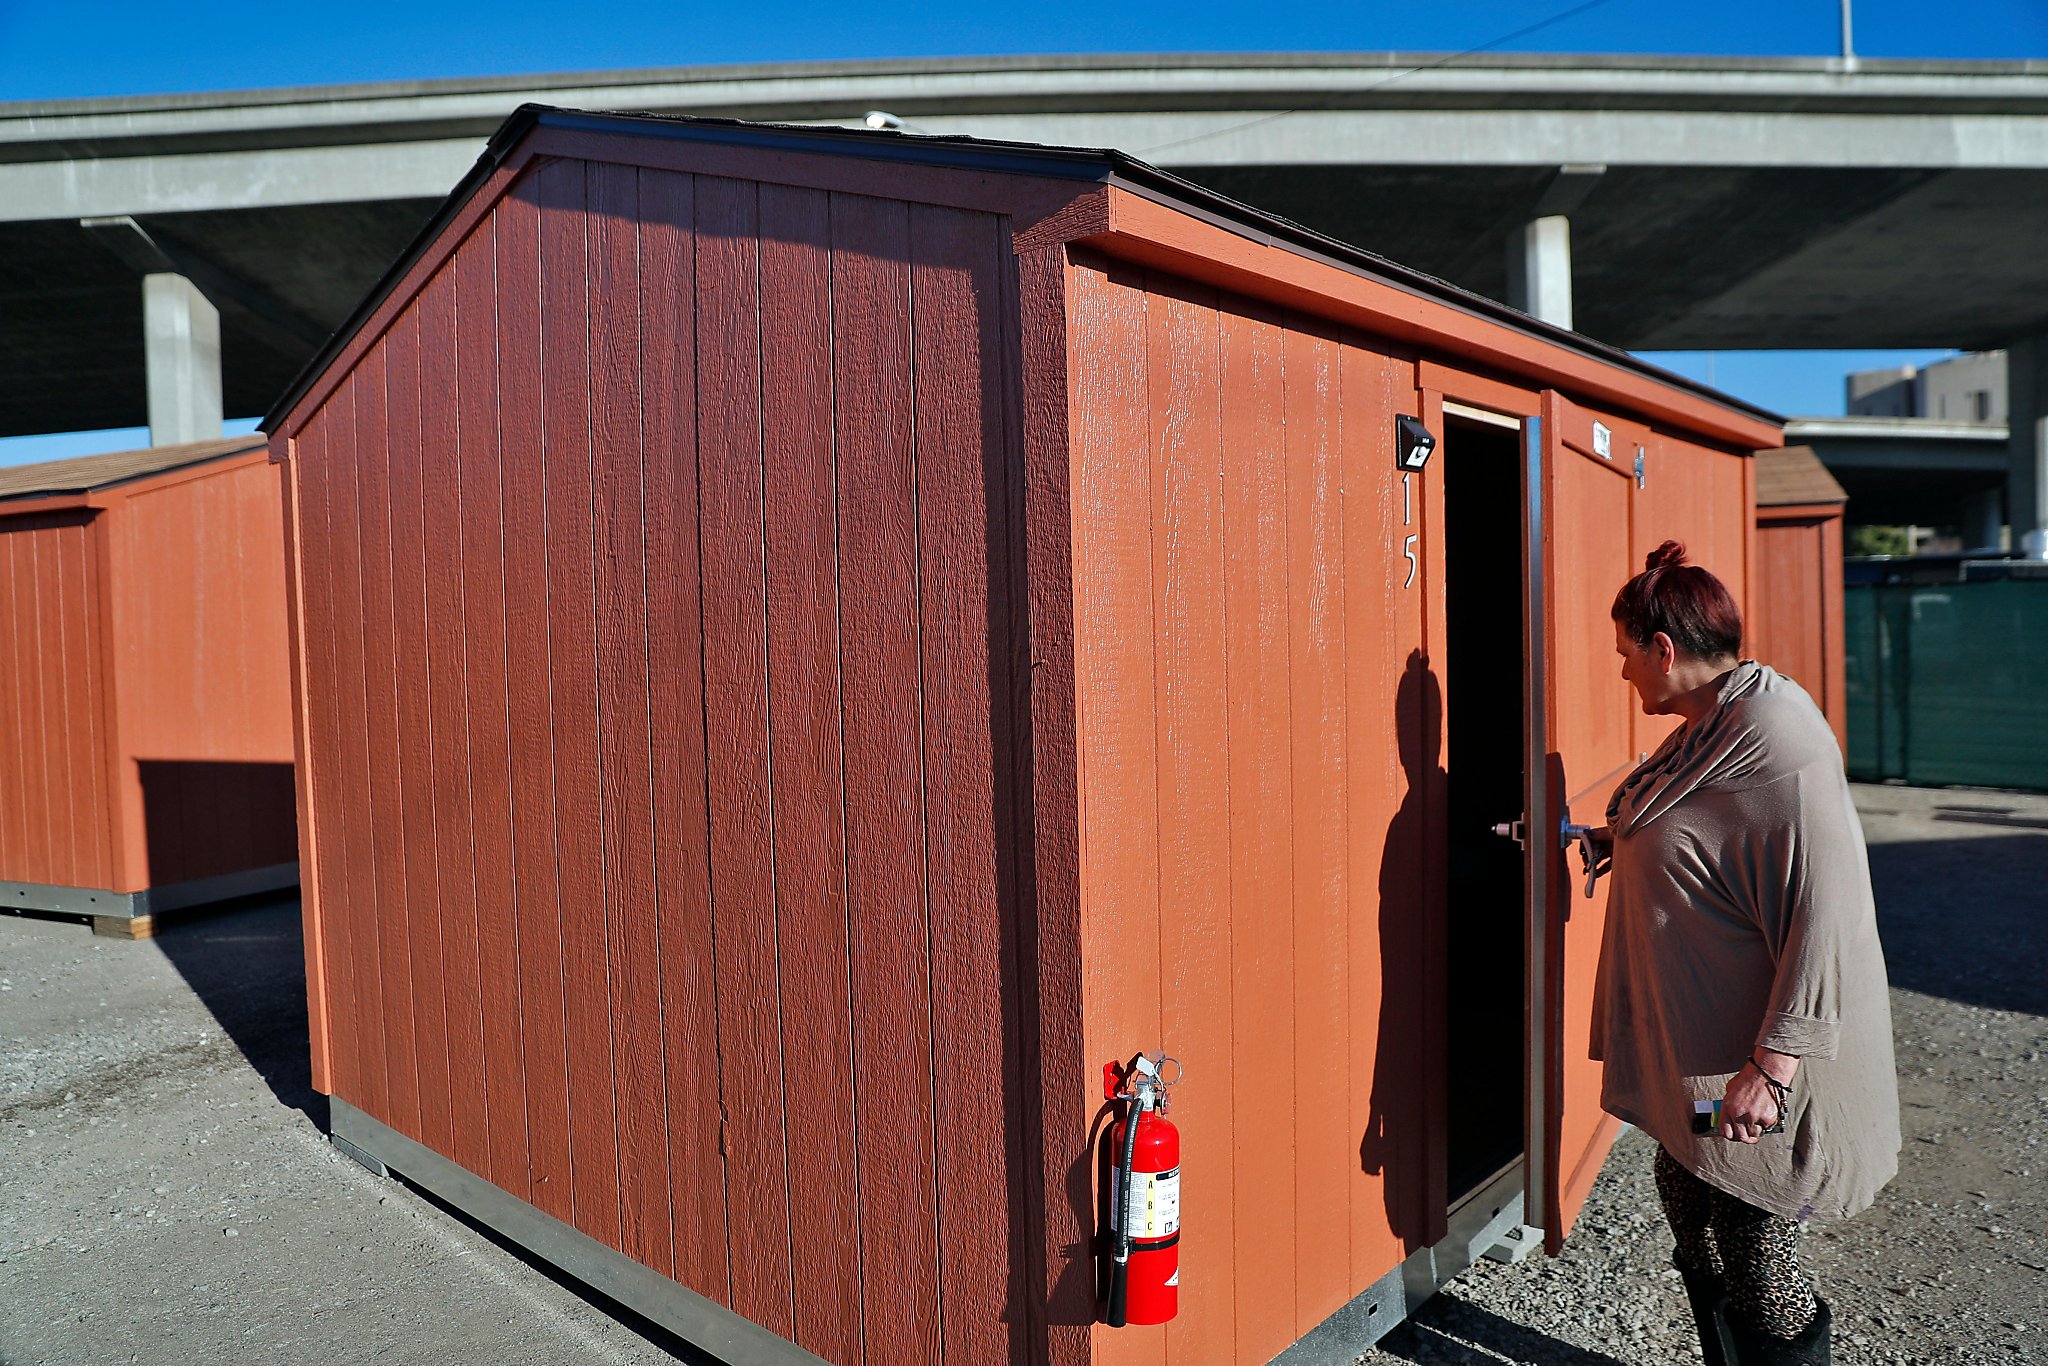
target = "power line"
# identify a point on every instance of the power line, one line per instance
(1487, 46)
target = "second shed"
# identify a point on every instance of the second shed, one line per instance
(145, 697)
(1796, 614)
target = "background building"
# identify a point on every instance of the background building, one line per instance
(1966, 388)
(1929, 449)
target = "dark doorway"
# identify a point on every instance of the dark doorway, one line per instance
(1485, 744)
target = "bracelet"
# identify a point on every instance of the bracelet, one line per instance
(1771, 1081)
(1780, 1093)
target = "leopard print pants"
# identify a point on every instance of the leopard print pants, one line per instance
(1755, 1253)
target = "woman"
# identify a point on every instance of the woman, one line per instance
(1741, 964)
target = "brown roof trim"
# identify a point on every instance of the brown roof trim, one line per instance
(1794, 476)
(90, 473)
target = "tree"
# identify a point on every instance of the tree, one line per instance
(1880, 540)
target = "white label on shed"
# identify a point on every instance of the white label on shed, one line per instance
(1155, 1204)
(1603, 441)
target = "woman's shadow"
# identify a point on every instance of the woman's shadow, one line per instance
(1396, 1146)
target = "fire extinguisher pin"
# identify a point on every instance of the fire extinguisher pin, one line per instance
(1146, 1080)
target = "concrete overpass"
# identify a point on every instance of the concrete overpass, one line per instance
(1651, 202)
(1902, 471)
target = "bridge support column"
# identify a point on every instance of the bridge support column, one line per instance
(181, 331)
(1983, 520)
(1540, 250)
(1540, 269)
(2027, 474)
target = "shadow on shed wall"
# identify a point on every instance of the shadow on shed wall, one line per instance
(202, 819)
(1393, 1147)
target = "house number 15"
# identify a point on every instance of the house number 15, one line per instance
(1408, 519)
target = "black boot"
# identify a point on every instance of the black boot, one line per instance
(1709, 1298)
(1755, 1348)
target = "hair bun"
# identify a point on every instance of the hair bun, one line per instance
(1669, 555)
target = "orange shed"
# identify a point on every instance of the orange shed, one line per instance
(1795, 622)
(809, 642)
(145, 702)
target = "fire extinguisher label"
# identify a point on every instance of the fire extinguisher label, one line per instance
(1155, 1204)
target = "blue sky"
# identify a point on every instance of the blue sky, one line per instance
(64, 49)
(52, 49)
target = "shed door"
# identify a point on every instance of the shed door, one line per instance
(1577, 499)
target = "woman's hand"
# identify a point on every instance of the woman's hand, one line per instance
(1748, 1107)
(1596, 854)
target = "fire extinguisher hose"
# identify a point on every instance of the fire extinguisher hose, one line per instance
(1120, 1260)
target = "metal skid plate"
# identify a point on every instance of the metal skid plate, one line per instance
(682, 1311)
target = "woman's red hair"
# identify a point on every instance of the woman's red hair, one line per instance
(1684, 601)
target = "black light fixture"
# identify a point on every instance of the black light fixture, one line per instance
(1412, 443)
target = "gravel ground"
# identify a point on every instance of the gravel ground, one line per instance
(167, 1193)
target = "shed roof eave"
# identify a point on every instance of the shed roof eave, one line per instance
(1801, 512)
(1417, 308)
(67, 483)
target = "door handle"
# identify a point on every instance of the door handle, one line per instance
(1589, 853)
(1567, 835)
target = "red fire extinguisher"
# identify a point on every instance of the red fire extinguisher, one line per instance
(1144, 1205)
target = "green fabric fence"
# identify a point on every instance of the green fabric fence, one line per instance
(1948, 683)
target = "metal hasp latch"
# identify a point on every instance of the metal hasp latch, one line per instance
(1567, 835)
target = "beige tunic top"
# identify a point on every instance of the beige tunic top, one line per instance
(1740, 914)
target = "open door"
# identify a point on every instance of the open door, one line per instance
(1576, 495)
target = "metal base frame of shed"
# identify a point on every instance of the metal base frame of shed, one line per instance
(142, 906)
(1488, 1222)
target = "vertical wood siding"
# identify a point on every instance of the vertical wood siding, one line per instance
(485, 734)
(446, 708)
(332, 643)
(1694, 494)
(413, 683)
(55, 814)
(530, 776)
(806, 747)
(201, 616)
(659, 673)
(1394, 758)
(1261, 872)
(1241, 639)
(1795, 617)
(675, 655)
(1060, 1273)
(1588, 556)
